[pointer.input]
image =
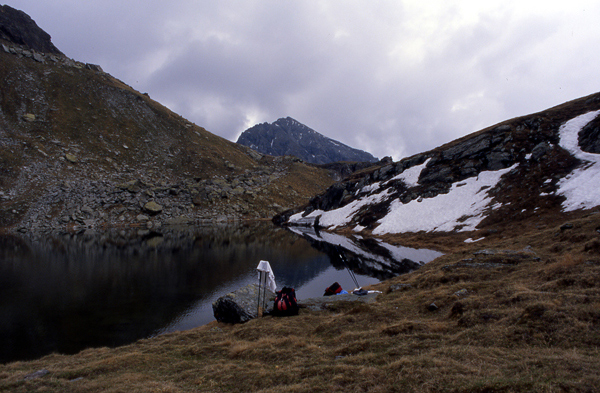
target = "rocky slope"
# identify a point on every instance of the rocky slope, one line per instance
(516, 171)
(288, 137)
(80, 148)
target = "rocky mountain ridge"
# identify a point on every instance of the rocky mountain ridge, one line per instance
(289, 137)
(524, 156)
(81, 149)
(16, 26)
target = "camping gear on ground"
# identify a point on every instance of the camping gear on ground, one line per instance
(285, 303)
(343, 259)
(334, 289)
(266, 280)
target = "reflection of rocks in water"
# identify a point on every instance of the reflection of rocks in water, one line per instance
(367, 256)
(166, 238)
(368, 266)
(62, 292)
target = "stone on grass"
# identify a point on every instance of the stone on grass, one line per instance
(37, 374)
(241, 305)
(71, 158)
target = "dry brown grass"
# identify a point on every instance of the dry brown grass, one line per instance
(515, 320)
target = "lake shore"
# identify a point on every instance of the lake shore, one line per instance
(516, 312)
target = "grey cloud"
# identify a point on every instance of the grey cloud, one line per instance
(378, 76)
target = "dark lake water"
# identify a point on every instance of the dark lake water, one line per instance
(64, 293)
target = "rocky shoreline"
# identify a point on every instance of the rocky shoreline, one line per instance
(82, 203)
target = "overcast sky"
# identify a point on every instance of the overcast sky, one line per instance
(393, 78)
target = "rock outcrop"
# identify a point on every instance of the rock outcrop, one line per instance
(17, 27)
(242, 305)
(323, 302)
(529, 145)
(589, 137)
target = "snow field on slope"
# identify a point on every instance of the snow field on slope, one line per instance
(340, 216)
(468, 200)
(343, 215)
(463, 205)
(582, 186)
(410, 176)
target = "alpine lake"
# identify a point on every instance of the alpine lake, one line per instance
(64, 292)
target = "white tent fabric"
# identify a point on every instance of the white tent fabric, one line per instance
(265, 267)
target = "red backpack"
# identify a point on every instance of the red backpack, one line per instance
(333, 289)
(285, 302)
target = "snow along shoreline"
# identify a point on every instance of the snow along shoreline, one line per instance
(468, 201)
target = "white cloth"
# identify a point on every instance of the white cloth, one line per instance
(265, 267)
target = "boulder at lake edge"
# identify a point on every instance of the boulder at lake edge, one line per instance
(241, 305)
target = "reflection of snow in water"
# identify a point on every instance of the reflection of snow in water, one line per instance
(375, 261)
(421, 255)
(169, 287)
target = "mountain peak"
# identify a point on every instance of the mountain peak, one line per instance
(288, 137)
(17, 27)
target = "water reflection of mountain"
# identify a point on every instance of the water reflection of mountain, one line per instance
(368, 257)
(63, 293)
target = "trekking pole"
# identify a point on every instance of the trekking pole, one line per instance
(347, 268)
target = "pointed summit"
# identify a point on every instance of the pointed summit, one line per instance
(289, 137)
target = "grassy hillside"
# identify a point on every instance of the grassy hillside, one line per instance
(67, 124)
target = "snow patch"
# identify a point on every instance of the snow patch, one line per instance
(462, 207)
(343, 215)
(370, 188)
(308, 220)
(469, 240)
(411, 175)
(580, 187)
